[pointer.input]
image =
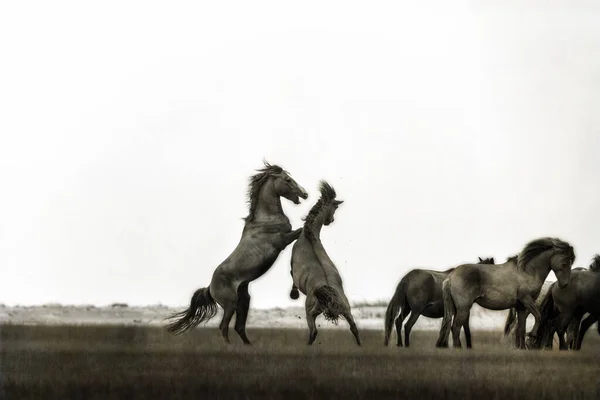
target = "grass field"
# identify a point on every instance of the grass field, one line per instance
(110, 362)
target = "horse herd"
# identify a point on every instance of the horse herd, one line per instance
(514, 285)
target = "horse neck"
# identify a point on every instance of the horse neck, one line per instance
(269, 203)
(316, 225)
(539, 267)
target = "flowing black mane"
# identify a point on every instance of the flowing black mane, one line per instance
(595, 265)
(327, 196)
(538, 246)
(256, 182)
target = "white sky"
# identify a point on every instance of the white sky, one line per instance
(128, 131)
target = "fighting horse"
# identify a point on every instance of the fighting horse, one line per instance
(314, 273)
(267, 231)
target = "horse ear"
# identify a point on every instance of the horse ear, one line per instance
(338, 202)
(480, 259)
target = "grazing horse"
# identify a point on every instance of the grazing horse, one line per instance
(267, 232)
(561, 306)
(418, 293)
(516, 283)
(314, 273)
(575, 325)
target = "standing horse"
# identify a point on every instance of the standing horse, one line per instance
(267, 232)
(516, 283)
(418, 293)
(561, 306)
(314, 273)
(574, 326)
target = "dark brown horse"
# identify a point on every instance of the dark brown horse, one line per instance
(563, 305)
(575, 326)
(418, 293)
(267, 231)
(314, 273)
(516, 283)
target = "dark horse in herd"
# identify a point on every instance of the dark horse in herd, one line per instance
(517, 285)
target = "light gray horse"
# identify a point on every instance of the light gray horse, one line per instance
(267, 231)
(418, 293)
(314, 273)
(500, 287)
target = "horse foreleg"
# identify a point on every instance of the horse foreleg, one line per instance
(563, 321)
(467, 330)
(241, 313)
(408, 326)
(573, 330)
(530, 306)
(585, 325)
(289, 237)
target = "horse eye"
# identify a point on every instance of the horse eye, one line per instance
(288, 179)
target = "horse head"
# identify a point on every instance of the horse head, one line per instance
(329, 203)
(562, 261)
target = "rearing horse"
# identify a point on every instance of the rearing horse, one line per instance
(516, 283)
(267, 232)
(314, 273)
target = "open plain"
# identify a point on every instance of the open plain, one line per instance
(143, 361)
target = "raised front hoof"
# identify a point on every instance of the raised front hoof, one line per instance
(294, 294)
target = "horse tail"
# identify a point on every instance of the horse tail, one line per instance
(394, 307)
(330, 302)
(510, 321)
(545, 333)
(449, 311)
(202, 308)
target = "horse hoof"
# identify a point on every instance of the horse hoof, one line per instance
(294, 294)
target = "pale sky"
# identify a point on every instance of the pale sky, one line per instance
(128, 131)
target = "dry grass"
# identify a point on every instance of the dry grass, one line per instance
(54, 362)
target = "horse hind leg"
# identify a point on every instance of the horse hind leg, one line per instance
(403, 314)
(348, 317)
(225, 294)
(585, 325)
(312, 311)
(241, 314)
(462, 316)
(414, 315)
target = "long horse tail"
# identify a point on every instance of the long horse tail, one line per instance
(449, 311)
(545, 333)
(202, 308)
(394, 307)
(511, 320)
(330, 302)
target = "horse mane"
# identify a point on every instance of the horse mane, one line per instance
(327, 196)
(595, 265)
(256, 182)
(538, 246)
